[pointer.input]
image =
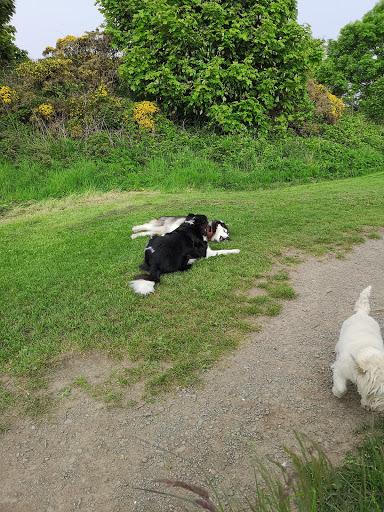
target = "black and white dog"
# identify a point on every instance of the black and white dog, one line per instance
(175, 251)
(217, 231)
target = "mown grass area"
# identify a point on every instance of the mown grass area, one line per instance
(34, 167)
(66, 266)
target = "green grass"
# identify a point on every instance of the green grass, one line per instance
(33, 167)
(66, 266)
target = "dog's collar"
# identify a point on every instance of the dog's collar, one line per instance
(209, 232)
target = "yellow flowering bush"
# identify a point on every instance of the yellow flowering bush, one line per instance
(7, 95)
(45, 111)
(144, 114)
(77, 107)
(65, 41)
(328, 106)
(337, 106)
(92, 51)
(8, 100)
(99, 95)
(38, 73)
(73, 91)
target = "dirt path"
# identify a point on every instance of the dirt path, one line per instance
(89, 458)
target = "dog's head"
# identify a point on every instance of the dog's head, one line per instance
(199, 222)
(219, 231)
(370, 382)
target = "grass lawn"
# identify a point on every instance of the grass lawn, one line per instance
(66, 266)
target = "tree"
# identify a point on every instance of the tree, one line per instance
(235, 63)
(9, 52)
(355, 61)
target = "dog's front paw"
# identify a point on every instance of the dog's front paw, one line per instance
(338, 393)
(365, 405)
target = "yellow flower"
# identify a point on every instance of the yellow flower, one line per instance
(7, 95)
(37, 72)
(144, 113)
(45, 110)
(102, 90)
(65, 41)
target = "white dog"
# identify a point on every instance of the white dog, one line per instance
(360, 356)
(217, 231)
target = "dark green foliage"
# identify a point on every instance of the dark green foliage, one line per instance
(237, 64)
(9, 52)
(354, 66)
(373, 102)
(7, 10)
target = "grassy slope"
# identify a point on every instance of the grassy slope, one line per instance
(34, 168)
(66, 266)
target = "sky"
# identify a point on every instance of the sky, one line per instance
(39, 23)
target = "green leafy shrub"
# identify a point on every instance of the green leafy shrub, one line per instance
(373, 104)
(235, 64)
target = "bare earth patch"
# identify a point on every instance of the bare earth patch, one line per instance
(86, 456)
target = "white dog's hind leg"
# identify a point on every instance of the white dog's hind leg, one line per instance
(339, 387)
(140, 227)
(211, 253)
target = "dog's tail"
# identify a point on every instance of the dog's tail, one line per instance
(362, 303)
(143, 284)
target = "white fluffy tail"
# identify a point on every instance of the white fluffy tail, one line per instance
(362, 303)
(142, 286)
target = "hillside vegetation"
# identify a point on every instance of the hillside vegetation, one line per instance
(68, 125)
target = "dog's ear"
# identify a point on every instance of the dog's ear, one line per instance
(213, 224)
(200, 220)
(359, 366)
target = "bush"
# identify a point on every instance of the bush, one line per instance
(327, 106)
(236, 64)
(373, 104)
(70, 93)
